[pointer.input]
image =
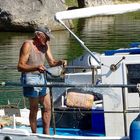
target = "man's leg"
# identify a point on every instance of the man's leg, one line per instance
(46, 112)
(33, 113)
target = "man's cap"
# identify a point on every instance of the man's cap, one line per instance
(45, 30)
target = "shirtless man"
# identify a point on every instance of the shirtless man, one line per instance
(31, 64)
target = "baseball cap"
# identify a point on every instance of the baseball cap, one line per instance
(45, 30)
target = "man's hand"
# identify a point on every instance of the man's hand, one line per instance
(64, 63)
(41, 68)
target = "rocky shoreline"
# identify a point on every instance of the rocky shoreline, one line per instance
(26, 16)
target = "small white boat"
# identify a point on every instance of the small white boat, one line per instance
(111, 115)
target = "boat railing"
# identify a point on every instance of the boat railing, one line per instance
(52, 85)
(64, 85)
(93, 69)
(122, 86)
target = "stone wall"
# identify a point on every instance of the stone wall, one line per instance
(89, 3)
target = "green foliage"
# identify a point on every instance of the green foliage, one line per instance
(71, 2)
(126, 1)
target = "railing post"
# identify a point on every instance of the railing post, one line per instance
(124, 111)
(52, 111)
(93, 75)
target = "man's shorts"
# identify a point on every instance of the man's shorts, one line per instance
(28, 79)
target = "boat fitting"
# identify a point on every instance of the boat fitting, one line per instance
(113, 67)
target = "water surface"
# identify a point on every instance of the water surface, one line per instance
(98, 33)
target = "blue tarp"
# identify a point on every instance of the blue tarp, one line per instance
(135, 49)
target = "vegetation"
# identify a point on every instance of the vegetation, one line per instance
(71, 2)
(125, 1)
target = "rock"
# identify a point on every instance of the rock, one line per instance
(26, 15)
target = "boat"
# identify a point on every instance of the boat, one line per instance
(109, 82)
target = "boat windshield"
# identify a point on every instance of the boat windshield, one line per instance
(133, 76)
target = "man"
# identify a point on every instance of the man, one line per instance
(31, 63)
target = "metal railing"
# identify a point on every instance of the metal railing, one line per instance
(63, 85)
(51, 85)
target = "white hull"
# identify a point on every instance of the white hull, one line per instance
(18, 134)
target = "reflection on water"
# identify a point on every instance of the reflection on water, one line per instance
(98, 33)
(112, 32)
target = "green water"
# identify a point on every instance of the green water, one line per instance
(98, 33)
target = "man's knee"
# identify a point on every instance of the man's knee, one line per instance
(45, 109)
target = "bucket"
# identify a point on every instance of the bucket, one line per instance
(56, 71)
(135, 129)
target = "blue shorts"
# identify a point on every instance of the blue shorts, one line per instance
(34, 79)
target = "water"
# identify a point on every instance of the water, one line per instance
(98, 33)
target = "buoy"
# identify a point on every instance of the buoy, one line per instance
(135, 129)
